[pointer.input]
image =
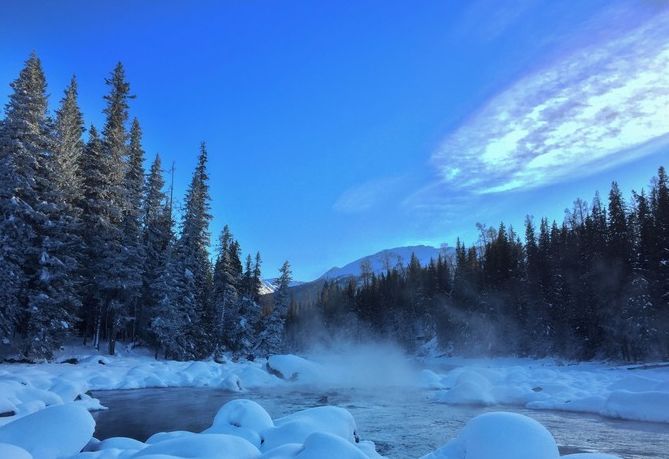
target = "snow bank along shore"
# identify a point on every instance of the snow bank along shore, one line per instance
(44, 407)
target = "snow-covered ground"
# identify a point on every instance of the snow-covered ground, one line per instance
(43, 408)
(638, 393)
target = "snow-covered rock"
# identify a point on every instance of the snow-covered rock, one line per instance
(202, 446)
(584, 388)
(295, 428)
(120, 443)
(500, 435)
(469, 388)
(10, 451)
(293, 368)
(640, 406)
(321, 445)
(243, 418)
(52, 432)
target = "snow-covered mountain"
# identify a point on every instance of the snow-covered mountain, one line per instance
(379, 261)
(389, 258)
(270, 285)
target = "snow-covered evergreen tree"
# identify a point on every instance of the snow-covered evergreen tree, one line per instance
(123, 278)
(36, 229)
(156, 239)
(69, 146)
(186, 284)
(225, 293)
(132, 223)
(271, 339)
(257, 279)
(10, 279)
(99, 217)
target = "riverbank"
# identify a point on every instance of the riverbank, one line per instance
(626, 392)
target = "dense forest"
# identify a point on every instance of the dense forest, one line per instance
(88, 246)
(594, 286)
(89, 249)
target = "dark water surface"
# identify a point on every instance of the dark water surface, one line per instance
(403, 423)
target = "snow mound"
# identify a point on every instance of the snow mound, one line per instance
(327, 446)
(470, 388)
(640, 406)
(13, 452)
(119, 443)
(52, 432)
(293, 368)
(585, 388)
(295, 428)
(243, 418)
(428, 379)
(204, 446)
(500, 435)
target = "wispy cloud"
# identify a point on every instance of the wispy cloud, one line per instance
(484, 20)
(363, 197)
(595, 107)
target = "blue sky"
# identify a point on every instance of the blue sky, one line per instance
(337, 129)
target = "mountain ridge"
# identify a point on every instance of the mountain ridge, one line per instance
(386, 259)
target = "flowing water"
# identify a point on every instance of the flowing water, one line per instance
(403, 423)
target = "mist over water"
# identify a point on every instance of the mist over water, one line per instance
(364, 365)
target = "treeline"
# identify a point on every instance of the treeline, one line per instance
(594, 286)
(88, 246)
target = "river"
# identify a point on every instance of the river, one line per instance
(403, 423)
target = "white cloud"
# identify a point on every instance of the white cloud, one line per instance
(363, 197)
(593, 108)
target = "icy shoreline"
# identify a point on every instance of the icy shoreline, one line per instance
(29, 392)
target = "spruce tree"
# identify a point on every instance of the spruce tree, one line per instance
(186, 284)
(132, 224)
(69, 146)
(36, 229)
(98, 217)
(123, 277)
(257, 279)
(225, 293)
(156, 239)
(247, 278)
(661, 218)
(273, 333)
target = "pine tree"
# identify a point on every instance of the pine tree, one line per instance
(69, 146)
(132, 224)
(156, 239)
(225, 292)
(661, 275)
(618, 236)
(186, 284)
(99, 215)
(69, 180)
(273, 333)
(257, 279)
(249, 309)
(247, 278)
(10, 279)
(36, 228)
(537, 316)
(123, 277)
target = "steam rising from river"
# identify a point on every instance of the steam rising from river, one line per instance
(364, 365)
